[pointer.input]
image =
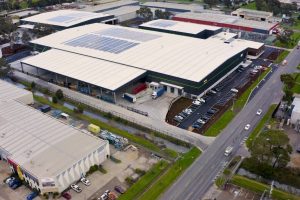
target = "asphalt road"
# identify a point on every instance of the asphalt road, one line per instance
(195, 182)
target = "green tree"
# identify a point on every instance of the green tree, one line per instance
(4, 68)
(159, 14)
(59, 94)
(211, 3)
(145, 13)
(25, 38)
(54, 99)
(33, 85)
(41, 30)
(271, 148)
(7, 29)
(288, 80)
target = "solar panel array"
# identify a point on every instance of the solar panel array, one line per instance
(163, 24)
(128, 34)
(62, 18)
(101, 43)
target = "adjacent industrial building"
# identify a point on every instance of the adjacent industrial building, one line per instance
(181, 28)
(173, 7)
(104, 60)
(104, 7)
(48, 154)
(227, 21)
(62, 19)
(256, 15)
(123, 14)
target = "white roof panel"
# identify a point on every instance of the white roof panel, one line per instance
(91, 70)
(64, 18)
(183, 27)
(37, 142)
(179, 56)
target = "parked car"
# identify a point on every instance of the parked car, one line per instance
(32, 195)
(259, 111)
(67, 195)
(85, 181)
(119, 189)
(187, 111)
(16, 184)
(103, 197)
(298, 149)
(12, 182)
(76, 188)
(247, 127)
(9, 180)
(197, 103)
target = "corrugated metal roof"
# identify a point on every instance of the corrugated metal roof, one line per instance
(122, 10)
(98, 72)
(178, 26)
(179, 56)
(109, 6)
(39, 143)
(10, 92)
(64, 18)
(227, 19)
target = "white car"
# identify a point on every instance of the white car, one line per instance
(85, 181)
(259, 111)
(76, 188)
(9, 179)
(201, 100)
(197, 103)
(247, 127)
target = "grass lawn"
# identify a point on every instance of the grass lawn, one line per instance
(295, 26)
(295, 38)
(260, 125)
(281, 56)
(251, 6)
(137, 188)
(260, 188)
(228, 115)
(296, 88)
(168, 178)
(138, 140)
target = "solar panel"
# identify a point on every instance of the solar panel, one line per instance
(62, 18)
(101, 43)
(163, 24)
(128, 34)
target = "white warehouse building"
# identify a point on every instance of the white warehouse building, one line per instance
(48, 154)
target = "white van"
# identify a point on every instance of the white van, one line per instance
(234, 90)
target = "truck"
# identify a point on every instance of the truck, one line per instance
(228, 150)
(129, 97)
(157, 93)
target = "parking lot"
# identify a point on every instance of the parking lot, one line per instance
(6, 193)
(221, 95)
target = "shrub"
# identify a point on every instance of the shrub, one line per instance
(129, 181)
(54, 99)
(33, 85)
(45, 91)
(102, 170)
(115, 159)
(59, 94)
(140, 171)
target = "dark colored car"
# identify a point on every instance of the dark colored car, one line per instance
(16, 184)
(66, 195)
(298, 149)
(119, 189)
(32, 195)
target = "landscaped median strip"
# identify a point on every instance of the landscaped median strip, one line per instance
(260, 125)
(138, 140)
(260, 188)
(228, 115)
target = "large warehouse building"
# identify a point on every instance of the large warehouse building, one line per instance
(48, 154)
(181, 28)
(227, 21)
(104, 60)
(63, 19)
